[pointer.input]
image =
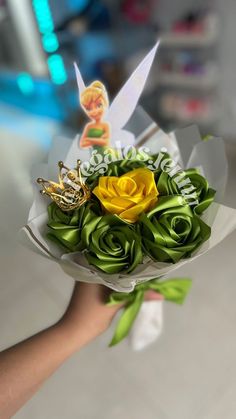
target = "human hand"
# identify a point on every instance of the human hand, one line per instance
(25, 366)
(87, 315)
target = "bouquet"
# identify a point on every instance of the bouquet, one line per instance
(128, 214)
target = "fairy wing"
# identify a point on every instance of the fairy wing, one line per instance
(80, 82)
(126, 101)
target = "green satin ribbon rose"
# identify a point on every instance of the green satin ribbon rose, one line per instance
(205, 194)
(66, 228)
(112, 245)
(165, 184)
(120, 167)
(116, 168)
(171, 231)
(123, 166)
(202, 193)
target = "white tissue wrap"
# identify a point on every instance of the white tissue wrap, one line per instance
(147, 326)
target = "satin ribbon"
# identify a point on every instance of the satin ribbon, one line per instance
(113, 246)
(66, 228)
(171, 231)
(204, 193)
(117, 168)
(166, 185)
(128, 195)
(167, 233)
(175, 290)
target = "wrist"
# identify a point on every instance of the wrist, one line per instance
(72, 337)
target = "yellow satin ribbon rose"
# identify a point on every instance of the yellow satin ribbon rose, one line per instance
(128, 195)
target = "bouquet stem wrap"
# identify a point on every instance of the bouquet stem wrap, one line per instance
(174, 290)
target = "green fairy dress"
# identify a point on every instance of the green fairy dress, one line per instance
(97, 133)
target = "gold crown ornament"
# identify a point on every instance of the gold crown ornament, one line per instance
(70, 192)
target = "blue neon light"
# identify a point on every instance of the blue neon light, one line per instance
(57, 69)
(25, 83)
(43, 15)
(50, 42)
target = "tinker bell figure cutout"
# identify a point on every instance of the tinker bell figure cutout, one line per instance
(106, 126)
(94, 100)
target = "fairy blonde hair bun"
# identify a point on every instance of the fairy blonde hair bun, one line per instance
(98, 85)
(92, 92)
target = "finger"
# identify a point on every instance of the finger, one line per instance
(151, 295)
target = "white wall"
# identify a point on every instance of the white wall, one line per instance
(227, 61)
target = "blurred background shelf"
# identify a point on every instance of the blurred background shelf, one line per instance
(202, 122)
(204, 38)
(40, 40)
(206, 81)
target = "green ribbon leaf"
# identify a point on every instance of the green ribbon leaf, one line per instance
(174, 290)
(118, 298)
(127, 318)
